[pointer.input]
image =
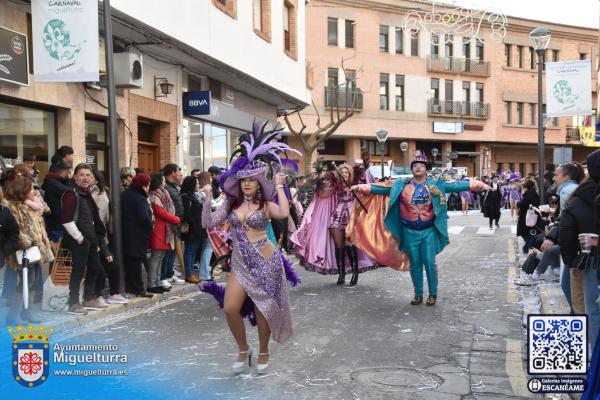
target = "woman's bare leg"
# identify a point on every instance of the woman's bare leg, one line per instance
(264, 335)
(235, 295)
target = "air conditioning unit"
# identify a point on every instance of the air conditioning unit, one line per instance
(128, 71)
(436, 108)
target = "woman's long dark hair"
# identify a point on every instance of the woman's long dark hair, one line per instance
(258, 199)
(100, 182)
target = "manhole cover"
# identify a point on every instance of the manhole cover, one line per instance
(394, 378)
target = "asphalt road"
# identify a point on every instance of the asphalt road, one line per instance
(365, 342)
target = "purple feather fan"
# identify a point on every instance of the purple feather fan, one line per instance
(218, 292)
(290, 274)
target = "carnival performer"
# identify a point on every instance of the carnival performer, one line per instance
(313, 242)
(514, 193)
(417, 218)
(256, 285)
(466, 198)
(492, 202)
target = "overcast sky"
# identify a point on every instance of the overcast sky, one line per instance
(572, 12)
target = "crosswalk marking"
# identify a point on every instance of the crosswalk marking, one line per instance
(485, 230)
(455, 230)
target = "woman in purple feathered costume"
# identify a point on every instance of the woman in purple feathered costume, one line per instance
(256, 286)
(466, 198)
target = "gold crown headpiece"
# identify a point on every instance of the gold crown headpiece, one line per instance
(30, 333)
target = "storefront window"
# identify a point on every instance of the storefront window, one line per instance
(96, 146)
(193, 146)
(24, 131)
(216, 146)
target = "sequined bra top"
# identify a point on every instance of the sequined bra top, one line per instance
(256, 220)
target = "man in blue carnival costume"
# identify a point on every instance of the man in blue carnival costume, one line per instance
(417, 218)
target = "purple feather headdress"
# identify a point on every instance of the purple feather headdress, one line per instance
(257, 153)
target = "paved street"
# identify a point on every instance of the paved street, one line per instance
(365, 342)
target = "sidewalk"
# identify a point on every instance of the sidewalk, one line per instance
(62, 321)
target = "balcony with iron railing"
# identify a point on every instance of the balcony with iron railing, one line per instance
(458, 65)
(342, 97)
(464, 109)
(572, 134)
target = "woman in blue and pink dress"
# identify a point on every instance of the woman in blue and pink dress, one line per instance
(256, 287)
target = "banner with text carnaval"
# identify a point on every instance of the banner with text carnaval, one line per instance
(569, 88)
(65, 40)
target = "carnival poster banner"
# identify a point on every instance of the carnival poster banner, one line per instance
(65, 40)
(569, 88)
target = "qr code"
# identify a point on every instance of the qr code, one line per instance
(557, 344)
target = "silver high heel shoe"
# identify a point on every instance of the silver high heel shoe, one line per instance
(240, 366)
(261, 369)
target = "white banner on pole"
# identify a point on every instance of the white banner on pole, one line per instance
(569, 88)
(65, 40)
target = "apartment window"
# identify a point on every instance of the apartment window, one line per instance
(384, 89)
(435, 88)
(262, 18)
(520, 113)
(435, 45)
(479, 49)
(332, 33)
(554, 55)
(289, 28)
(449, 46)
(520, 56)
(479, 92)
(351, 78)
(383, 38)
(399, 92)
(507, 55)
(531, 58)
(507, 112)
(582, 56)
(414, 42)
(349, 34)
(544, 58)
(399, 41)
(467, 91)
(532, 114)
(332, 77)
(449, 89)
(215, 89)
(555, 122)
(466, 47)
(229, 7)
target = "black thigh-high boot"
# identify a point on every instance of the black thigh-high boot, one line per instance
(339, 259)
(353, 263)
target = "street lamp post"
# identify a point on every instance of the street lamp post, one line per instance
(382, 135)
(540, 37)
(404, 148)
(434, 153)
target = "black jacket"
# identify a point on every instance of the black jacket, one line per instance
(492, 203)
(137, 223)
(216, 189)
(9, 232)
(575, 219)
(54, 187)
(530, 197)
(176, 197)
(193, 217)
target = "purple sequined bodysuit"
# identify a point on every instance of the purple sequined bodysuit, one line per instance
(263, 279)
(341, 216)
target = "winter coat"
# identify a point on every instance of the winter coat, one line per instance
(530, 197)
(9, 232)
(102, 200)
(575, 219)
(137, 223)
(492, 202)
(193, 217)
(32, 232)
(162, 218)
(176, 197)
(54, 187)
